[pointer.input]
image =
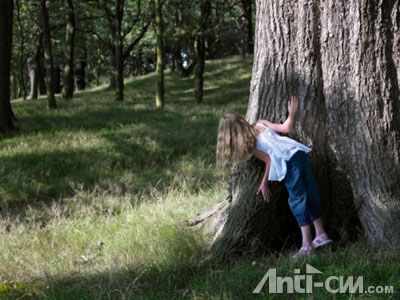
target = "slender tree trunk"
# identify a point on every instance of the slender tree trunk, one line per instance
(48, 56)
(33, 83)
(200, 50)
(119, 71)
(57, 79)
(119, 50)
(160, 56)
(80, 74)
(34, 70)
(341, 59)
(80, 71)
(21, 52)
(246, 34)
(98, 67)
(139, 63)
(173, 63)
(6, 32)
(114, 19)
(177, 46)
(13, 87)
(199, 68)
(41, 73)
(112, 85)
(250, 32)
(68, 89)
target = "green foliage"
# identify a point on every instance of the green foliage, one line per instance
(93, 37)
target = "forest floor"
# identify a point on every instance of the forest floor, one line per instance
(94, 197)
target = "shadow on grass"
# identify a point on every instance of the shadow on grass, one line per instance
(123, 147)
(150, 152)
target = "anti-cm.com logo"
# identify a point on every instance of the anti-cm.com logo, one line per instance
(305, 283)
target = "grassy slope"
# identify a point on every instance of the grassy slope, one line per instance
(93, 196)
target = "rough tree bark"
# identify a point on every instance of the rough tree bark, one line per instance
(342, 60)
(68, 76)
(6, 32)
(48, 55)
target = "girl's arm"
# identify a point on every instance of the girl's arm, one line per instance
(264, 183)
(287, 126)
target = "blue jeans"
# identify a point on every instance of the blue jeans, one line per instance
(304, 199)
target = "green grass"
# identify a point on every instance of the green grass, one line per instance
(94, 195)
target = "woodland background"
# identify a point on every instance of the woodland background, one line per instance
(108, 118)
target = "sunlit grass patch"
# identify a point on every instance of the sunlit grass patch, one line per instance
(99, 186)
(94, 197)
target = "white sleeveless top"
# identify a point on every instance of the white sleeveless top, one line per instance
(280, 149)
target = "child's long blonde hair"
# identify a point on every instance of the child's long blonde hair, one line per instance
(236, 139)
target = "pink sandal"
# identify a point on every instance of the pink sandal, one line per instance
(303, 252)
(321, 240)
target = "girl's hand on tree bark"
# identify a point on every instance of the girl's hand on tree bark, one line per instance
(266, 193)
(292, 106)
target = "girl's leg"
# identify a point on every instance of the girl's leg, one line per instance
(314, 200)
(298, 201)
(297, 190)
(319, 227)
(306, 235)
(321, 238)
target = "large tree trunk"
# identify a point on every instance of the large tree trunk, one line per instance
(48, 55)
(160, 55)
(68, 88)
(6, 31)
(341, 58)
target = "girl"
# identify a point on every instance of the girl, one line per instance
(285, 159)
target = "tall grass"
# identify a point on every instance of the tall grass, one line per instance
(94, 195)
